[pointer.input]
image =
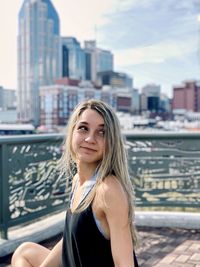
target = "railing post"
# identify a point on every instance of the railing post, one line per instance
(4, 192)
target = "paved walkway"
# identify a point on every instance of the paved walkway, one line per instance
(169, 247)
(159, 247)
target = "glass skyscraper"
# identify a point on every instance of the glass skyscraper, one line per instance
(73, 59)
(97, 60)
(104, 60)
(39, 55)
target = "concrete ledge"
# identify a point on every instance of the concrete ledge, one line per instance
(54, 224)
(35, 232)
(186, 220)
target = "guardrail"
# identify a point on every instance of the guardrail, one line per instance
(165, 169)
(31, 185)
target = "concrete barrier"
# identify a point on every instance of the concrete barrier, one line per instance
(186, 220)
(54, 224)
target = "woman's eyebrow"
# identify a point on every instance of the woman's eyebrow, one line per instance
(83, 122)
(86, 123)
(101, 125)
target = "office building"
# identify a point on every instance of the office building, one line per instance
(73, 59)
(114, 79)
(165, 103)
(8, 104)
(7, 99)
(150, 98)
(59, 100)
(187, 96)
(97, 60)
(39, 55)
(135, 102)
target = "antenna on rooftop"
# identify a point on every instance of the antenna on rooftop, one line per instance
(95, 32)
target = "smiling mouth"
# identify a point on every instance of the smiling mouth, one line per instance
(88, 149)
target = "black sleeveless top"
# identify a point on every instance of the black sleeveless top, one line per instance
(83, 243)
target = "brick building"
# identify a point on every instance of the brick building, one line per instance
(187, 96)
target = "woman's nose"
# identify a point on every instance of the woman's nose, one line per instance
(90, 138)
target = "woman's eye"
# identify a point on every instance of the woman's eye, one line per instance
(82, 128)
(101, 132)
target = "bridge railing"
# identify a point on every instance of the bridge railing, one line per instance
(31, 184)
(164, 168)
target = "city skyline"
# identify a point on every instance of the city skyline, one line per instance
(152, 42)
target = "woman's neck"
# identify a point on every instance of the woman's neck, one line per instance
(85, 172)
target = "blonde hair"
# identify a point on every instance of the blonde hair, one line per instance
(114, 160)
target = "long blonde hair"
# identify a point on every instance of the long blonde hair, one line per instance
(114, 160)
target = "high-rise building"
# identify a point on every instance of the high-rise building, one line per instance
(59, 100)
(114, 79)
(97, 60)
(150, 98)
(104, 60)
(73, 59)
(187, 96)
(39, 55)
(135, 103)
(165, 103)
(7, 99)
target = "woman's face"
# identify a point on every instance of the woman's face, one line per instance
(88, 139)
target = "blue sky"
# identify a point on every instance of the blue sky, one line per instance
(153, 41)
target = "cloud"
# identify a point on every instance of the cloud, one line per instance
(148, 22)
(81, 18)
(155, 54)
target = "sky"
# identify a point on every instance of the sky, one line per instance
(152, 41)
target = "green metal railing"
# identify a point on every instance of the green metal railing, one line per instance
(31, 184)
(164, 168)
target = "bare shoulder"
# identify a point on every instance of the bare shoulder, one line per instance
(112, 192)
(111, 183)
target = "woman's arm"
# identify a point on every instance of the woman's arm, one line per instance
(116, 211)
(55, 256)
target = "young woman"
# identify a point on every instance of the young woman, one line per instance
(99, 230)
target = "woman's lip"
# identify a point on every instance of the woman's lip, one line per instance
(88, 148)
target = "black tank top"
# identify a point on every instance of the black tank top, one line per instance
(83, 243)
